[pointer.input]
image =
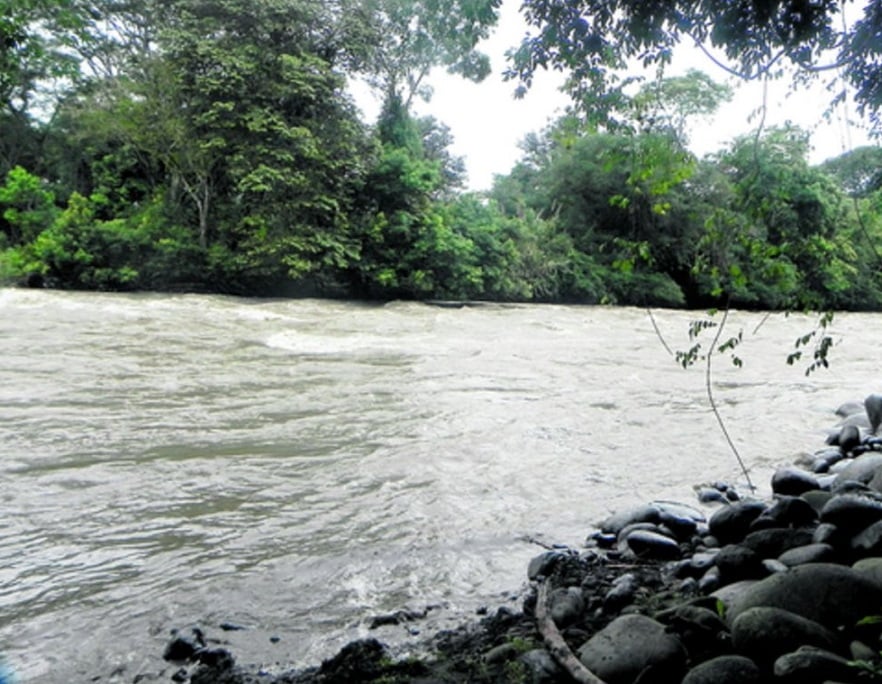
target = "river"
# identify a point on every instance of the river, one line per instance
(297, 466)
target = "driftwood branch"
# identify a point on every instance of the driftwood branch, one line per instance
(558, 648)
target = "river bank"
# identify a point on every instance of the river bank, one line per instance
(735, 589)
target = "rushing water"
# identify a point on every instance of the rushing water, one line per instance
(298, 466)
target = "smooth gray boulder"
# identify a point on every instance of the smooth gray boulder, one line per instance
(772, 542)
(852, 513)
(850, 434)
(861, 469)
(876, 483)
(652, 545)
(873, 407)
(737, 562)
(793, 481)
(541, 667)
(870, 568)
(786, 511)
(835, 596)
(809, 665)
(633, 646)
(763, 634)
(848, 408)
(566, 606)
(868, 542)
(619, 521)
(810, 553)
(817, 499)
(730, 669)
(730, 524)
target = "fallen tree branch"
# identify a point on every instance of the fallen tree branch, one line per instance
(558, 648)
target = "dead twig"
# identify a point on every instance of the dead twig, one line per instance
(558, 648)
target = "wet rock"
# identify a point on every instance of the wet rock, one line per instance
(793, 481)
(846, 594)
(628, 530)
(809, 665)
(605, 540)
(399, 617)
(731, 523)
(849, 437)
(648, 544)
(216, 658)
(631, 646)
(708, 495)
(683, 521)
(543, 564)
(728, 669)
(826, 459)
(873, 407)
(852, 513)
(764, 633)
(615, 523)
(183, 646)
(810, 553)
(679, 510)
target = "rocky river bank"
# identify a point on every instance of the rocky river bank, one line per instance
(736, 589)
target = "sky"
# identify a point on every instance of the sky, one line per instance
(487, 122)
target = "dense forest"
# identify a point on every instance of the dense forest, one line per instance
(213, 145)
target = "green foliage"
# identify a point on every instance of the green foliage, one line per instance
(210, 145)
(412, 36)
(27, 206)
(858, 172)
(35, 42)
(86, 253)
(596, 43)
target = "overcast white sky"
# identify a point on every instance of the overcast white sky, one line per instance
(487, 122)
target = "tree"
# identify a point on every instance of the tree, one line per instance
(35, 41)
(595, 43)
(859, 171)
(669, 105)
(411, 37)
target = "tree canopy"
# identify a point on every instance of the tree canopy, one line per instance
(597, 44)
(212, 145)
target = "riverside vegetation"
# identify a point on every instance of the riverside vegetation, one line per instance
(759, 591)
(212, 145)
